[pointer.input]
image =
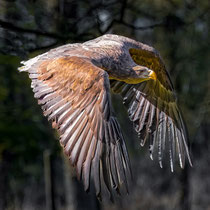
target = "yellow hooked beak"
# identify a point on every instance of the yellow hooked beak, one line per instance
(152, 75)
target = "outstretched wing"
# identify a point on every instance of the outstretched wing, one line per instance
(153, 109)
(74, 95)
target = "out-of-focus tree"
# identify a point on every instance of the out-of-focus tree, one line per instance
(180, 30)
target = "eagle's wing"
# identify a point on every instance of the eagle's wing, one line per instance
(153, 109)
(74, 95)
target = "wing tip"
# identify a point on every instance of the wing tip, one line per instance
(22, 68)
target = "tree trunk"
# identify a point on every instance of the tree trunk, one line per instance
(76, 197)
(185, 197)
(49, 189)
(4, 168)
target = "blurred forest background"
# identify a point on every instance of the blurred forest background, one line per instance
(33, 172)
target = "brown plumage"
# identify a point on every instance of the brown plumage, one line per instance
(72, 83)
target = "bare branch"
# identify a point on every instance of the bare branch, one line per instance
(43, 47)
(109, 26)
(140, 27)
(10, 26)
(138, 11)
(121, 22)
(123, 8)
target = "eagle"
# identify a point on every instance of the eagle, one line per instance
(73, 83)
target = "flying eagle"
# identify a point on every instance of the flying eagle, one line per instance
(72, 84)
